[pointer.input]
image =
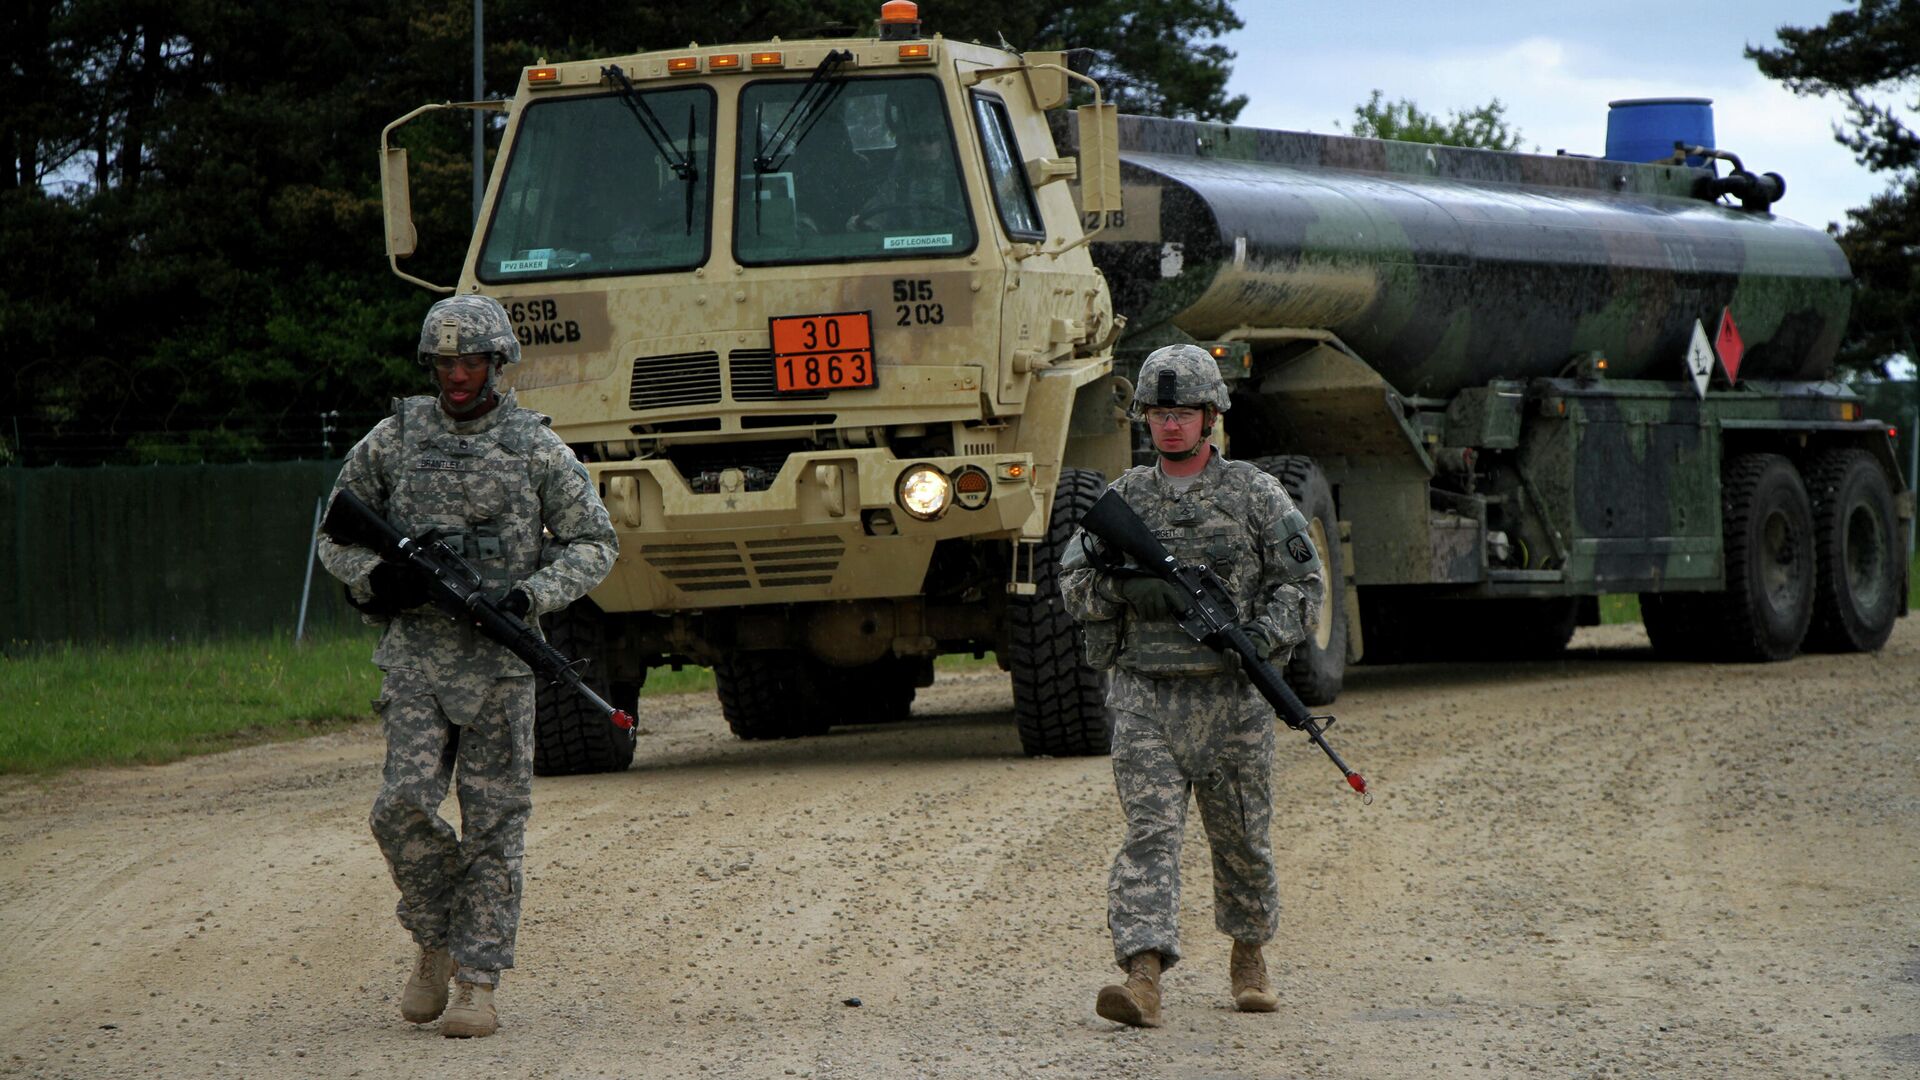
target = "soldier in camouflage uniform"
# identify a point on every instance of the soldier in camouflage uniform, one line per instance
(1185, 720)
(472, 468)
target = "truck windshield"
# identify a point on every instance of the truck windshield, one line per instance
(589, 192)
(871, 175)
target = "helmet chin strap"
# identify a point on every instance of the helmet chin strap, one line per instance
(486, 395)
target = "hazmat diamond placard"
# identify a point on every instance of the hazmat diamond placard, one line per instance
(1700, 359)
(1728, 344)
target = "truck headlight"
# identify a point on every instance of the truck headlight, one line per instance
(924, 492)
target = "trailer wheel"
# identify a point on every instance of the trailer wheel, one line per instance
(1859, 573)
(1318, 667)
(764, 695)
(570, 737)
(1059, 703)
(1403, 628)
(1677, 624)
(1767, 525)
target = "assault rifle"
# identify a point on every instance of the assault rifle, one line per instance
(456, 588)
(1209, 616)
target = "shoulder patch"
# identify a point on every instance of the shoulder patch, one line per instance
(1299, 549)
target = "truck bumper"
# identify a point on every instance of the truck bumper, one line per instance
(826, 528)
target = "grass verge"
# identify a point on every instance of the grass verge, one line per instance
(149, 704)
(146, 704)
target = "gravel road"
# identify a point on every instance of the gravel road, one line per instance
(1603, 866)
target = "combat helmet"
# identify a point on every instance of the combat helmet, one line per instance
(465, 325)
(1179, 375)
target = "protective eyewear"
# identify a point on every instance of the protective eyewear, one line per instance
(1161, 417)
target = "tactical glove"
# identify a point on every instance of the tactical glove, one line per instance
(395, 587)
(1263, 645)
(1152, 598)
(516, 603)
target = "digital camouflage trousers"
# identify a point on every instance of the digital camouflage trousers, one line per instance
(1211, 738)
(461, 891)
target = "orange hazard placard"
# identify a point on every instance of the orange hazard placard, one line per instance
(823, 352)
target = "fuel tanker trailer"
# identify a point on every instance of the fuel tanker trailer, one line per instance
(1505, 384)
(842, 331)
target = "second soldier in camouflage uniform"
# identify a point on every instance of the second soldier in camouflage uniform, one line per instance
(1186, 722)
(472, 468)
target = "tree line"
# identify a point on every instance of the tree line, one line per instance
(190, 203)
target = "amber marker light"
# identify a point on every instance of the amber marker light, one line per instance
(768, 59)
(543, 76)
(919, 50)
(683, 65)
(724, 62)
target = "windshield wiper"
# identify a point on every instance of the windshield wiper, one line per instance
(803, 114)
(680, 161)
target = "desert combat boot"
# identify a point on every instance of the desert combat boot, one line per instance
(1137, 1002)
(1252, 990)
(471, 1015)
(425, 996)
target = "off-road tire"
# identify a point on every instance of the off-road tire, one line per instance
(1521, 628)
(1404, 629)
(1318, 667)
(763, 695)
(878, 693)
(570, 736)
(1059, 703)
(1768, 540)
(1677, 624)
(1859, 574)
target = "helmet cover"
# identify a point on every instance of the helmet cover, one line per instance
(467, 325)
(1180, 376)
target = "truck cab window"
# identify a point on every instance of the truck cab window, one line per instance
(1012, 194)
(589, 191)
(868, 171)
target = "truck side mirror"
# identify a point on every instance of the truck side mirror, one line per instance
(1099, 159)
(1047, 78)
(397, 203)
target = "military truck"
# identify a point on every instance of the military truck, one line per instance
(844, 336)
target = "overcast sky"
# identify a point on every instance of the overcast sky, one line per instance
(1304, 66)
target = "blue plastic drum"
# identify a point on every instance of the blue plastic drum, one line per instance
(1645, 129)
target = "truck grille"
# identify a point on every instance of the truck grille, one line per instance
(666, 382)
(752, 373)
(663, 382)
(752, 564)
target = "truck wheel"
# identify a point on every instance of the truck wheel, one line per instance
(1767, 528)
(1318, 667)
(1059, 704)
(570, 737)
(763, 695)
(1859, 573)
(878, 693)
